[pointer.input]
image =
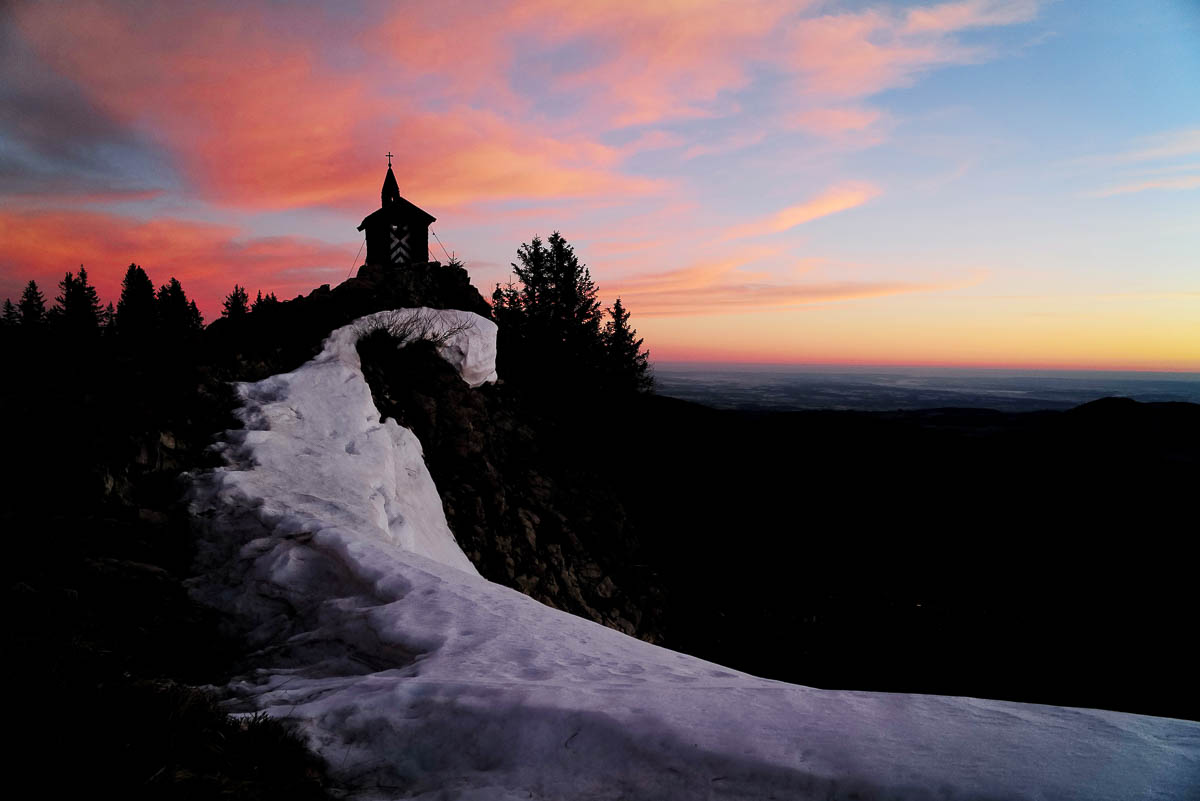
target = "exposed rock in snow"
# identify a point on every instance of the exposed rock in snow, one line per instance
(415, 677)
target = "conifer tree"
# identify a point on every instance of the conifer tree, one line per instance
(32, 306)
(550, 321)
(176, 314)
(555, 311)
(195, 318)
(78, 307)
(506, 304)
(136, 309)
(236, 305)
(108, 318)
(11, 317)
(574, 295)
(628, 366)
(534, 274)
(263, 302)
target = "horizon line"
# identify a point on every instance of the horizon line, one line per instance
(927, 365)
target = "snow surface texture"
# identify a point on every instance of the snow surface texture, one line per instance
(417, 678)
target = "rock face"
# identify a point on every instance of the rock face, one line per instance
(283, 337)
(430, 284)
(518, 492)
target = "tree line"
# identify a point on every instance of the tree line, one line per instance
(553, 327)
(141, 311)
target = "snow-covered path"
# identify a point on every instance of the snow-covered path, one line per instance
(415, 677)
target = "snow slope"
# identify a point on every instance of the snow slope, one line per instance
(417, 678)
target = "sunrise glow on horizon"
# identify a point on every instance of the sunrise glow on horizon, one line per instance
(992, 183)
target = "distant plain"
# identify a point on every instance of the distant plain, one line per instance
(767, 387)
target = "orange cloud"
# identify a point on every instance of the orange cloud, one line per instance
(208, 259)
(838, 198)
(724, 287)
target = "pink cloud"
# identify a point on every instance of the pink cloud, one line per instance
(508, 108)
(258, 120)
(261, 115)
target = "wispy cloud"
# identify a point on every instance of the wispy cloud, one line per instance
(727, 144)
(731, 285)
(1172, 183)
(947, 17)
(856, 54)
(831, 201)
(1164, 161)
(1168, 145)
(835, 121)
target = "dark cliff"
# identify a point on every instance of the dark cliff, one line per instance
(523, 491)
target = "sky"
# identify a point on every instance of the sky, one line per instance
(977, 182)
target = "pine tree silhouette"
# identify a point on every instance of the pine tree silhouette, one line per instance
(628, 365)
(11, 317)
(263, 302)
(195, 318)
(551, 322)
(136, 313)
(236, 305)
(78, 307)
(177, 316)
(574, 301)
(32, 306)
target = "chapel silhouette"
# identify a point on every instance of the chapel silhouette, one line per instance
(398, 231)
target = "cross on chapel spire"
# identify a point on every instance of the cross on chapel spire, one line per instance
(389, 157)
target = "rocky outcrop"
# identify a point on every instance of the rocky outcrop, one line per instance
(283, 336)
(518, 490)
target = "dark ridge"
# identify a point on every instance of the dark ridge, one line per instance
(286, 335)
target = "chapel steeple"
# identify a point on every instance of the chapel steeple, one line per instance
(391, 190)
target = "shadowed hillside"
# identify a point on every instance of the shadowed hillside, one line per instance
(97, 430)
(1029, 556)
